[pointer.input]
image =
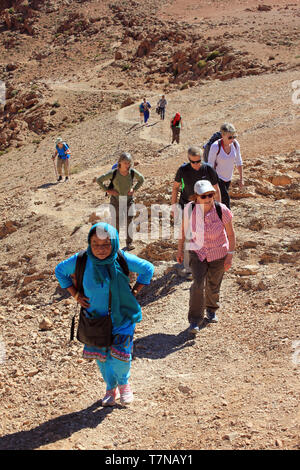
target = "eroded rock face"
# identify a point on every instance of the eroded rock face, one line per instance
(8, 227)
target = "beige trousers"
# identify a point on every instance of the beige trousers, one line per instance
(62, 163)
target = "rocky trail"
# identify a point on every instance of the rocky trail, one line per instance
(234, 386)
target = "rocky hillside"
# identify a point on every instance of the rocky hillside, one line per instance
(117, 48)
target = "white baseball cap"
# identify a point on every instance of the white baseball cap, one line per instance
(203, 186)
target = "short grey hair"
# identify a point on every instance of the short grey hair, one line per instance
(227, 127)
(125, 156)
(195, 151)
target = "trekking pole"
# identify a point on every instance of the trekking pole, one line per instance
(68, 160)
(53, 159)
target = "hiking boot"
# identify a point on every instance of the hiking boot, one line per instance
(126, 395)
(59, 178)
(110, 397)
(194, 328)
(186, 273)
(211, 316)
(130, 247)
(66, 178)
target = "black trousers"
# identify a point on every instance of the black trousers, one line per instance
(224, 187)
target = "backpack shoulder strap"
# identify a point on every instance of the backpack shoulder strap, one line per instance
(113, 175)
(79, 272)
(218, 209)
(111, 183)
(219, 146)
(79, 269)
(132, 174)
(123, 263)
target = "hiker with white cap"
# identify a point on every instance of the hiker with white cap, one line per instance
(208, 226)
(63, 153)
(186, 177)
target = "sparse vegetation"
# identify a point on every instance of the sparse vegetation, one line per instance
(213, 55)
(201, 63)
(184, 86)
(126, 67)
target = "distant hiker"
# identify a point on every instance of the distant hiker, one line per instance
(105, 294)
(224, 154)
(186, 177)
(145, 108)
(63, 153)
(176, 125)
(141, 111)
(211, 246)
(162, 103)
(121, 184)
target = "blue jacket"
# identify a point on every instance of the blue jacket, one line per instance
(98, 293)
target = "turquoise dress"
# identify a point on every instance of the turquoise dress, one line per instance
(115, 362)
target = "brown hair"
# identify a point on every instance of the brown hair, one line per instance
(193, 197)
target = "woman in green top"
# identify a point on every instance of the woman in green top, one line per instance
(121, 190)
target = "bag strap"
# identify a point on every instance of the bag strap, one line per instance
(220, 144)
(132, 174)
(113, 175)
(79, 272)
(218, 209)
(123, 263)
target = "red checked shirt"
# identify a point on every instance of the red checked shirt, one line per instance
(207, 235)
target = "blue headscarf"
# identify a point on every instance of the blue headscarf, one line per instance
(124, 305)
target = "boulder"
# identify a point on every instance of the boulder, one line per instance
(144, 48)
(281, 180)
(118, 55)
(248, 270)
(45, 324)
(128, 102)
(264, 8)
(8, 227)
(268, 257)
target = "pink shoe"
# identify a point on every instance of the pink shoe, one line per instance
(110, 397)
(126, 395)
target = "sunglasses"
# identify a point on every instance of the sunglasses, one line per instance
(231, 137)
(195, 161)
(204, 196)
